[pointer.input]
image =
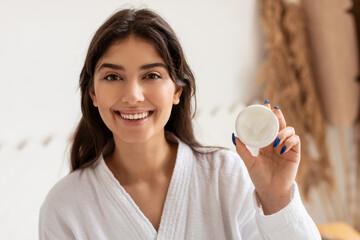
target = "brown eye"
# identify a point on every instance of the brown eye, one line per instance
(112, 77)
(153, 76)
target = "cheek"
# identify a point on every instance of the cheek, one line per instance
(106, 96)
(164, 96)
(105, 100)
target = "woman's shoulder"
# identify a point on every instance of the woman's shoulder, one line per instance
(64, 204)
(67, 192)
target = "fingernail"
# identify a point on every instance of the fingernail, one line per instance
(233, 139)
(283, 150)
(266, 101)
(277, 107)
(276, 142)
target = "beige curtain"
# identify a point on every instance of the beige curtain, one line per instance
(334, 53)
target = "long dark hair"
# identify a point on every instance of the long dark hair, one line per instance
(92, 137)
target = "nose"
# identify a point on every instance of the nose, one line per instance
(133, 92)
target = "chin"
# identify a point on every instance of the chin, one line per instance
(131, 137)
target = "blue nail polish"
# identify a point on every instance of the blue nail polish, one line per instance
(266, 101)
(283, 150)
(277, 107)
(276, 142)
(233, 139)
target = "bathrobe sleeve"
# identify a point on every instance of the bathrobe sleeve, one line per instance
(291, 222)
(238, 201)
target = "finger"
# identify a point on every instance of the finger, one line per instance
(244, 153)
(280, 116)
(283, 135)
(291, 144)
(267, 104)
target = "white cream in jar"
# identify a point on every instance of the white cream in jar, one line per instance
(256, 126)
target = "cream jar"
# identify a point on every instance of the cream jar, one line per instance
(256, 126)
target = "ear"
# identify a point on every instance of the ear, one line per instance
(177, 95)
(93, 98)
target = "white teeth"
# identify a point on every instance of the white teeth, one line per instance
(135, 116)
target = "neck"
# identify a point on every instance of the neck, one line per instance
(133, 163)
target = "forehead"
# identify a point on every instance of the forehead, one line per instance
(131, 50)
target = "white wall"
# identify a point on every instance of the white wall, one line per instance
(42, 49)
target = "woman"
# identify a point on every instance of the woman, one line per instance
(138, 171)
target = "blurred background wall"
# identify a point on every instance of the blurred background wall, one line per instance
(42, 48)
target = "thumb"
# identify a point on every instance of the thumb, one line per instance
(244, 153)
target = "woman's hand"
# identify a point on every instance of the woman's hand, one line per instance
(274, 170)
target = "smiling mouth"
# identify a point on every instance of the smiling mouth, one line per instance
(134, 117)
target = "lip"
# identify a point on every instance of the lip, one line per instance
(132, 123)
(134, 111)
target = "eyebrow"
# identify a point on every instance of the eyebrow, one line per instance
(120, 67)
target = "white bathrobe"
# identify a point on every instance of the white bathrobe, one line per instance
(209, 197)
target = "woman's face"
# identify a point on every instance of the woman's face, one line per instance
(133, 90)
